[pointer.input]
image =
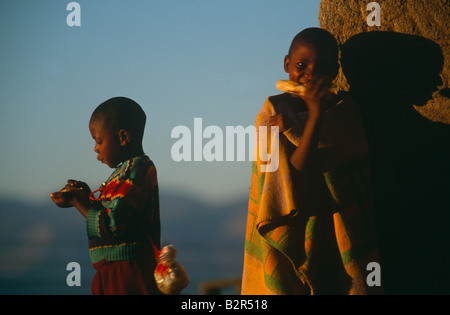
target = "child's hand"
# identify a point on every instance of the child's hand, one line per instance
(75, 192)
(78, 185)
(61, 199)
(283, 122)
(315, 94)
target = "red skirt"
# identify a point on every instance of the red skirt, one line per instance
(128, 277)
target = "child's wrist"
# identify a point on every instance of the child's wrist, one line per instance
(79, 204)
(315, 114)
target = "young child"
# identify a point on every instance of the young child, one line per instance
(125, 216)
(309, 227)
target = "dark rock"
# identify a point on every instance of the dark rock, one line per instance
(428, 19)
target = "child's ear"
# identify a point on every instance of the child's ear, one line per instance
(124, 137)
(286, 63)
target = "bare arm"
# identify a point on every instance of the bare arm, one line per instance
(81, 207)
(314, 99)
(308, 143)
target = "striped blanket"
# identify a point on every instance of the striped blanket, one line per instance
(311, 234)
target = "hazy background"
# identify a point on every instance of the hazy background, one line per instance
(213, 59)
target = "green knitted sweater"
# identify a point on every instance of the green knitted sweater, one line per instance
(126, 214)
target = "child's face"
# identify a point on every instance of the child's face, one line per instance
(107, 144)
(301, 64)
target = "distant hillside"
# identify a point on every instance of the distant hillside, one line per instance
(183, 217)
(37, 241)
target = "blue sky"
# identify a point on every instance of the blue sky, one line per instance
(213, 59)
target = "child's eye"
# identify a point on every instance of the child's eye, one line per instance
(301, 65)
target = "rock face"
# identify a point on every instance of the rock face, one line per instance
(428, 19)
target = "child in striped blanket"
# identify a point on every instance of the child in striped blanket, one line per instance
(309, 227)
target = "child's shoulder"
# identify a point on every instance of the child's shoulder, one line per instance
(342, 101)
(142, 161)
(136, 166)
(342, 96)
(279, 98)
(273, 102)
(284, 103)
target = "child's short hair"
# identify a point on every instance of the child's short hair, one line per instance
(121, 113)
(326, 46)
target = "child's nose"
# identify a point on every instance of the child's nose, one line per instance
(307, 75)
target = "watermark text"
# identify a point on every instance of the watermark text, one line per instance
(235, 144)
